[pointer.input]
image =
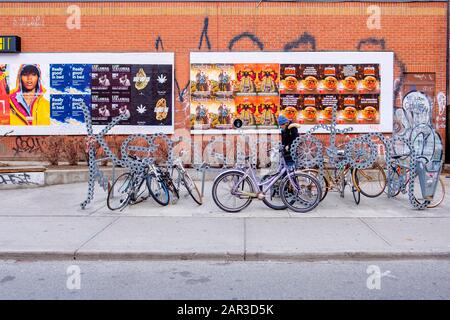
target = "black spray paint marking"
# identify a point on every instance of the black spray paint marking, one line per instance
(16, 179)
(159, 43)
(27, 145)
(204, 35)
(304, 39)
(382, 44)
(181, 92)
(246, 35)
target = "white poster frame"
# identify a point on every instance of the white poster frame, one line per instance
(90, 58)
(384, 59)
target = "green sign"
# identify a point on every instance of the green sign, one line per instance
(9, 44)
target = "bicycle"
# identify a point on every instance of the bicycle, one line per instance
(401, 176)
(336, 179)
(183, 178)
(353, 165)
(298, 191)
(129, 188)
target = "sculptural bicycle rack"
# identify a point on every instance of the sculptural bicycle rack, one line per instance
(361, 153)
(358, 154)
(135, 164)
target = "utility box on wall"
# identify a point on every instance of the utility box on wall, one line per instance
(10, 44)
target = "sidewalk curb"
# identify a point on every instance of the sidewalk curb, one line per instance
(282, 257)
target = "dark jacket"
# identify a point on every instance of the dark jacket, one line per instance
(288, 136)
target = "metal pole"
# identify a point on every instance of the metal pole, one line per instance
(113, 177)
(203, 180)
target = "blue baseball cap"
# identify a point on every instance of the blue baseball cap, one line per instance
(282, 120)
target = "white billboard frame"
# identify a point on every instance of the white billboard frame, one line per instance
(384, 59)
(90, 58)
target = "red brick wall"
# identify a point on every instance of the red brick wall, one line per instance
(416, 32)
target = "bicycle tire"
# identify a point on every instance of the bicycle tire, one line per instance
(112, 192)
(266, 201)
(363, 173)
(394, 181)
(193, 190)
(434, 203)
(218, 179)
(155, 193)
(309, 205)
(356, 195)
(326, 183)
(172, 188)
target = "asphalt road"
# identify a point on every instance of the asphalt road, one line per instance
(427, 279)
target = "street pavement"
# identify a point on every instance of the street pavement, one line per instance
(48, 223)
(238, 280)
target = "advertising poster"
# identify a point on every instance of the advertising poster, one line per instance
(121, 78)
(80, 78)
(201, 84)
(201, 110)
(289, 79)
(76, 116)
(41, 91)
(151, 95)
(59, 113)
(101, 76)
(101, 107)
(59, 78)
(222, 113)
(304, 86)
(29, 95)
(268, 108)
(246, 110)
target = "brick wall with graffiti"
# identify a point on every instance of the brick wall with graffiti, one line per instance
(415, 32)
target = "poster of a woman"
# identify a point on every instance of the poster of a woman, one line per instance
(28, 104)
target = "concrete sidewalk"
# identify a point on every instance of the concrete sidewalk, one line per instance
(47, 223)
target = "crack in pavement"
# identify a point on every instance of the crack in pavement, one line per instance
(95, 235)
(376, 232)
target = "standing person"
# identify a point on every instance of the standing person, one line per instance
(289, 133)
(28, 104)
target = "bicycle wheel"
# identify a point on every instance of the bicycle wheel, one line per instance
(272, 198)
(158, 190)
(439, 195)
(222, 191)
(356, 195)
(395, 182)
(300, 192)
(324, 183)
(417, 196)
(192, 188)
(371, 182)
(119, 194)
(172, 188)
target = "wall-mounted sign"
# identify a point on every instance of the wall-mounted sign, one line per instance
(43, 93)
(256, 87)
(9, 44)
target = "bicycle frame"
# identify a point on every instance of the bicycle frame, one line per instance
(260, 187)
